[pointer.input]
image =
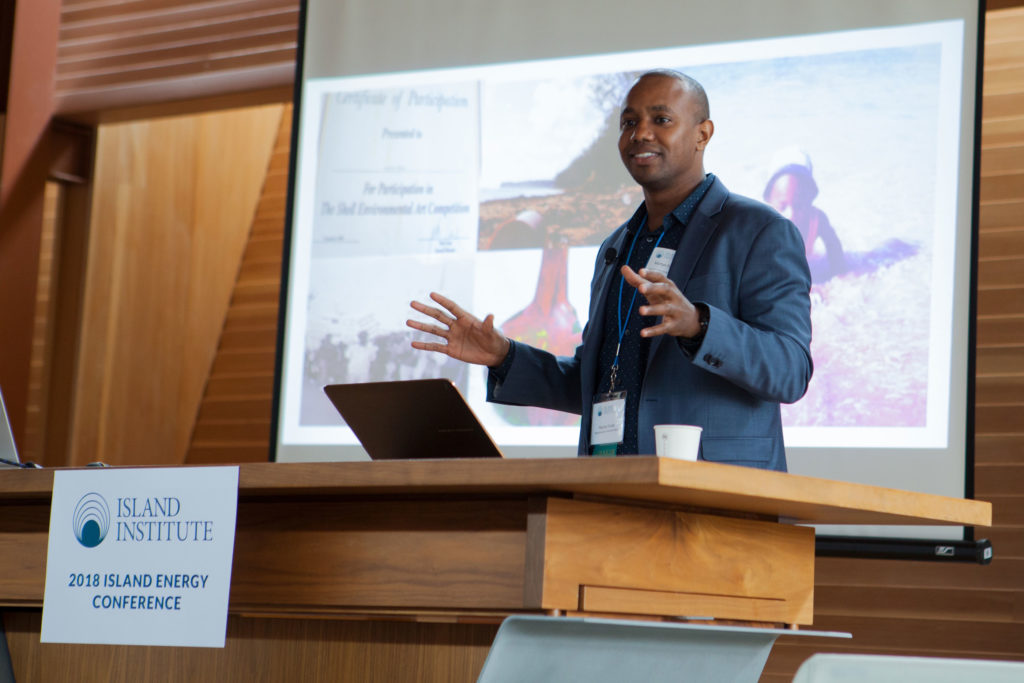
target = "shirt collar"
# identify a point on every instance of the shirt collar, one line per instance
(681, 214)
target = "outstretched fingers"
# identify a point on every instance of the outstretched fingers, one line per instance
(431, 346)
(456, 312)
(429, 329)
(465, 337)
(436, 314)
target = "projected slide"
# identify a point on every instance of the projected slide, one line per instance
(495, 185)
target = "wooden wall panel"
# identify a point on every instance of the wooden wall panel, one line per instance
(123, 53)
(173, 209)
(234, 418)
(31, 445)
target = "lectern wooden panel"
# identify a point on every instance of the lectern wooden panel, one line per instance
(334, 555)
(605, 558)
(408, 567)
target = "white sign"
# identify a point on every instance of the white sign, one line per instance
(140, 556)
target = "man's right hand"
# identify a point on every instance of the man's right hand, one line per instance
(465, 336)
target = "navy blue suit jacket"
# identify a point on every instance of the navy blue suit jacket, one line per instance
(747, 263)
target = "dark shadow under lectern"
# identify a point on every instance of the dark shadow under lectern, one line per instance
(566, 649)
(6, 670)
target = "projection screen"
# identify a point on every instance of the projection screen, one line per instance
(469, 148)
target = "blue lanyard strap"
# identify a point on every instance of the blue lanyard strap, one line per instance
(622, 283)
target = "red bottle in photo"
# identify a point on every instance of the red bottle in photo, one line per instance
(548, 323)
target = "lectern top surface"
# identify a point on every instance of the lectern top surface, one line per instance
(705, 485)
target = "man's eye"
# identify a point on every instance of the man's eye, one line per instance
(628, 123)
(663, 119)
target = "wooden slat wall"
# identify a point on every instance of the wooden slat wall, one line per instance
(234, 417)
(121, 53)
(999, 446)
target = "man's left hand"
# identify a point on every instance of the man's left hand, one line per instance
(679, 317)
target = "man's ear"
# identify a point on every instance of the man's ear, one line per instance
(707, 129)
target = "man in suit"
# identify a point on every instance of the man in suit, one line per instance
(721, 333)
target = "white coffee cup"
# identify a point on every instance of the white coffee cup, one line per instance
(677, 441)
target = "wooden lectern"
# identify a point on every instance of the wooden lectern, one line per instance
(402, 570)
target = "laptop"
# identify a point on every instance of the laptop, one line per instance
(415, 419)
(8, 452)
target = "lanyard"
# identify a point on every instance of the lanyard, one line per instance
(623, 325)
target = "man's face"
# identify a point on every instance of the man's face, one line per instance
(786, 197)
(661, 140)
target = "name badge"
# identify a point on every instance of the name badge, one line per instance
(661, 260)
(608, 419)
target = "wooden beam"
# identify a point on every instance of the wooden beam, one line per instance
(24, 168)
(1003, 4)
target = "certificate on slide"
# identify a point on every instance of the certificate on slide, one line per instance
(396, 171)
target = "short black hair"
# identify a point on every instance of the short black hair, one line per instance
(690, 85)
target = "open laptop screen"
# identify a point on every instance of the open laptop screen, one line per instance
(413, 419)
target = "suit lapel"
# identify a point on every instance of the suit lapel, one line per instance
(698, 232)
(598, 298)
(606, 273)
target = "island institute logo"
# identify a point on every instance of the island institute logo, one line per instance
(92, 520)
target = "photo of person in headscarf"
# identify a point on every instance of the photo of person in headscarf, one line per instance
(791, 191)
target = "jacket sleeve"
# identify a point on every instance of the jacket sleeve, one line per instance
(763, 344)
(539, 378)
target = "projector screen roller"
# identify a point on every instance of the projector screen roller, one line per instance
(472, 151)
